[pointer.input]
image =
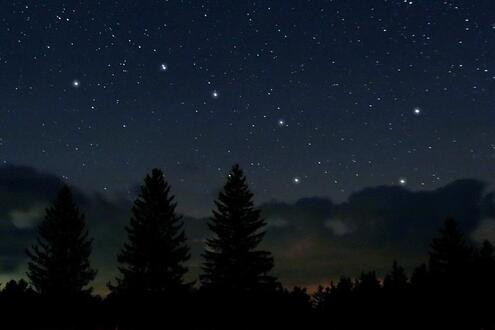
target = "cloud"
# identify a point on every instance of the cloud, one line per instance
(24, 179)
(321, 240)
(27, 218)
(23, 190)
(338, 227)
(385, 215)
(485, 231)
(276, 222)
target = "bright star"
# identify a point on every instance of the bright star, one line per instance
(402, 181)
(215, 94)
(163, 67)
(281, 122)
(76, 83)
(296, 180)
(417, 111)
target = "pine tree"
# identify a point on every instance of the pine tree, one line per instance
(343, 290)
(396, 297)
(233, 261)
(368, 286)
(152, 261)
(396, 281)
(343, 303)
(450, 265)
(59, 262)
(449, 253)
(16, 290)
(367, 298)
(483, 285)
(486, 256)
(321, 298)
(484, 267)
(420, 278)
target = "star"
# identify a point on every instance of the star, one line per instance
(163, 67)
(402, 181)
(215, 94)
(417, 111)
(76, 83)
(296, 180)
(281, 122)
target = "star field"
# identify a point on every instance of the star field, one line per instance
(310, 97)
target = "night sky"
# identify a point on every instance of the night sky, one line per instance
(312, 98)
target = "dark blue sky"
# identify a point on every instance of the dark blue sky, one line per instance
(310, 97)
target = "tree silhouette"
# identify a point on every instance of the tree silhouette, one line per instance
(16, 301)
(232, 261)
(342, 295)
(367, 293)
(450, 267)
(297, 310)
(367, 286)
(343, 290)
(59, 262)
(449, 253)
(152, 261)
(483, 284)
(420, 278)
(396, 297)
(15, 292)
(395, 281)
(322, 298)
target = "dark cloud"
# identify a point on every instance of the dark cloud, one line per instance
(384, 214)
(27, 179)
(313, 240)
(24, 193)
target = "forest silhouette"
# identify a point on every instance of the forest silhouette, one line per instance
(236, 288)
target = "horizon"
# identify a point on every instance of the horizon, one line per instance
(297, 231)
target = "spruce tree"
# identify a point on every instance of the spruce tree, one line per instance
(395, 281)
(59, 263)
(321, 298)
(396, 298)
(450, 265)
(368, 286)
(484, 267)
(15, 291)
(343, 302)
(420, 278)
(233, 262)
(485, 257)
(368, 295)
(483, 285)
(152, 261)
(449, 253)
(344, 289)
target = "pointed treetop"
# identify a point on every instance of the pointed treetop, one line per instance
(59, 262)
(232, 258)
(152, 261)
(449, 252)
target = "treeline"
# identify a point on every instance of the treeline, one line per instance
(236, 289)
